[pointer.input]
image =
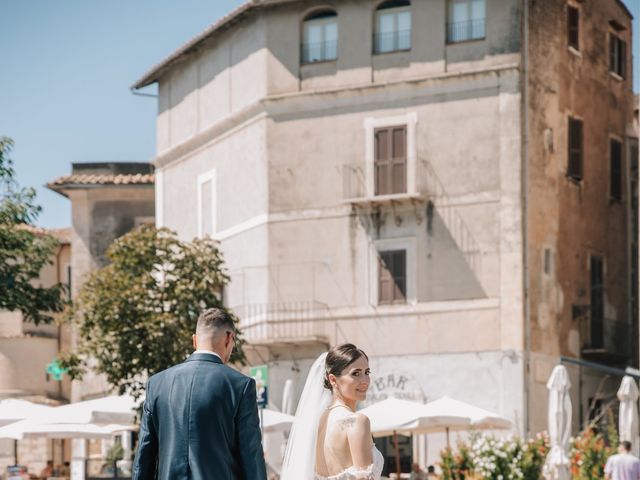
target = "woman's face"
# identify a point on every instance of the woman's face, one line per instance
(354, 381)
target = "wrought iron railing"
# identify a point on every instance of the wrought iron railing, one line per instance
(467, 30)
(283, 321)
(392, 41)
(319, 52)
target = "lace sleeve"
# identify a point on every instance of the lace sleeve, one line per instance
(365, 474)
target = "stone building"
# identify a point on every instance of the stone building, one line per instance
(26, 352)
(107, 200)
(443, 183)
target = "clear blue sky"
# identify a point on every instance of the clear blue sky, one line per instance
(65, 74)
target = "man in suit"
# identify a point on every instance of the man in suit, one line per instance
(200, 418)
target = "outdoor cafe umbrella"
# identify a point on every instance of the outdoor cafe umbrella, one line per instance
(392, 416)
(556, 465)
(467, 416)
(628, 414)
(33, 428)
(13, 410)
(113, 409)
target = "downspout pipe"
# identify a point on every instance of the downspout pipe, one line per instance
(525, 216)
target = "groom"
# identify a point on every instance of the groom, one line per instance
(200, 418)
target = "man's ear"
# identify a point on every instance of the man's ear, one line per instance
(194, 338)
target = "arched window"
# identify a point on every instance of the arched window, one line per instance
(393, 26)
(320, 37)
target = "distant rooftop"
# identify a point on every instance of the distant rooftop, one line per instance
(84, 175)
(63, 235)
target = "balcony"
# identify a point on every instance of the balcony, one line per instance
(362, 188)
(396, 41)
(282, 324)
(319, 52)
(466, 31)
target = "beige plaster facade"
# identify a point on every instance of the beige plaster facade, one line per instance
(288, 151)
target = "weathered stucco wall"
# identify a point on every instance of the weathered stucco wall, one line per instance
(573, 220)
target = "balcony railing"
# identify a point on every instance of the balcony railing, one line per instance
(392, 41)
(319, 52)
(467, 30)
(284, 322)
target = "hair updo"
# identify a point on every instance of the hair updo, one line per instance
(339, 358)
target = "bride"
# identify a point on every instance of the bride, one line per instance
(329, 440)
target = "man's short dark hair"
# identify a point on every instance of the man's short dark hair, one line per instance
(213, 320)
(626, 444)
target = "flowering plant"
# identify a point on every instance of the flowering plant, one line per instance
(487, 457)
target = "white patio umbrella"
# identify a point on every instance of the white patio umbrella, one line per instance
(403, 416)
(557, 463)
(12, 410)
(479, 418)
(34, 429)
(114, 409)
(628, 414)
(273, 421)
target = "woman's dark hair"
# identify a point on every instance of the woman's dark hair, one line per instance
(339, 358)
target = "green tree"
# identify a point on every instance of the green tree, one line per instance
(135, 316)
(24, 250)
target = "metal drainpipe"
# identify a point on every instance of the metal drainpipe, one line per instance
(525, 211)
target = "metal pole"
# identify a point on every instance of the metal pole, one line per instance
(395, 440)
(15, 452)
(448, 443)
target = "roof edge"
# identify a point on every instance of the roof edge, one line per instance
(154, 73)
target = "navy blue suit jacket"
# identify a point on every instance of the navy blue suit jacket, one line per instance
(200, 421)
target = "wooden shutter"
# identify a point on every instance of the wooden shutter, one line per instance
(622, 58)
(390, 160)
(616, 170)
(392, 277)
(575, 166)
(597, 302)
(573, 27)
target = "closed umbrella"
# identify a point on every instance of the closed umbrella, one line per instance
(557, 463)
(628, 414)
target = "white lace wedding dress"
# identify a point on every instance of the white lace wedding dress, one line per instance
(300, 457)
(372, 472)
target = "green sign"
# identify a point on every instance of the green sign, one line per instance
(56, 371)
(261, 375)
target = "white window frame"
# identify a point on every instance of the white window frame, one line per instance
(410, 120)
(203, 178)
(410, 246)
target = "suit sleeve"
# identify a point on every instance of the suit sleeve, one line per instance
(146, 461)
(249, 435)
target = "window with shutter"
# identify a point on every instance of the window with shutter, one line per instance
(390, 160)
(392, 277)
(597, 302)
(616, 170)
(575, 164)
(573, 27)
(617, 55)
